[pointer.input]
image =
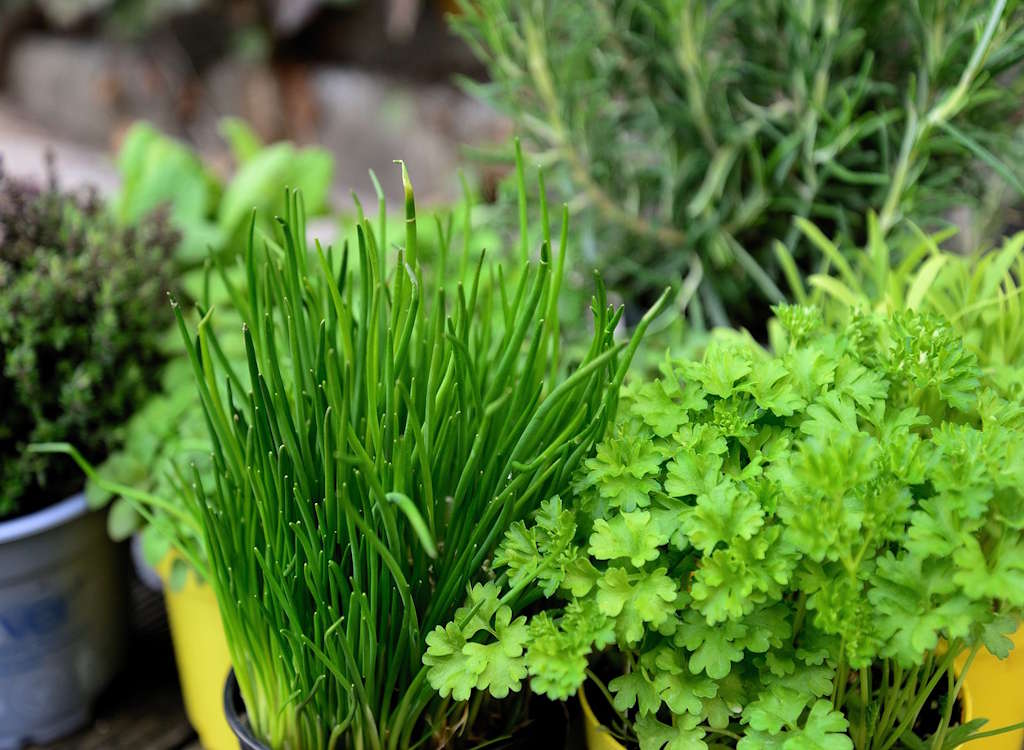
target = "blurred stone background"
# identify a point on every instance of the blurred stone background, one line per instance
(371, 80)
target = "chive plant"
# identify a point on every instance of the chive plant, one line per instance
(393, 431)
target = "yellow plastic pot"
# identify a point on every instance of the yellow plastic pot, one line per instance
(202, 657)
(993, 689)
(598, 736)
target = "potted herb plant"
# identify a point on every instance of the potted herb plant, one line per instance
(393, 431)
(805, 549)
(978, 295)
(81, 305)
(696, 131)
(159, 172)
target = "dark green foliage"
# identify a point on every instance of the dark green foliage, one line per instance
(693, 132)
(82, 308)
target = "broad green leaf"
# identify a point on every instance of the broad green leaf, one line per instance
(122, 520)
(627, 535)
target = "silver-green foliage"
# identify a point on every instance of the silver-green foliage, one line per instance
(696, 131)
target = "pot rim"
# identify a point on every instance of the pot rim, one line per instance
(236, 721)
(599, 738)
(44, 520)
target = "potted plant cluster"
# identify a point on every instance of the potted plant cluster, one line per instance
(389, 438)
(451, 400)
(807, 545)
(433, 495)
(81, 300)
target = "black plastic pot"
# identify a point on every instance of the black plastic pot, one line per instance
(550, 727)
(234, 712)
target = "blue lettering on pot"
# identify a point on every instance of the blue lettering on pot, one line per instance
(39, 618)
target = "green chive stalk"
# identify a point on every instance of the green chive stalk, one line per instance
(392, 433)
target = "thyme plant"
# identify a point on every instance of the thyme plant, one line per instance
(693, 132)
(81, 313)
(394, 430)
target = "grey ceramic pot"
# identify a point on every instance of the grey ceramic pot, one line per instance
(62, 620)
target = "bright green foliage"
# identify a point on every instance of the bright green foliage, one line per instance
(804, 530)
(170, 430)
(979, 295)
(167, 432)
(393, 432)
(82, 308)
(692, 132)
(157, 170)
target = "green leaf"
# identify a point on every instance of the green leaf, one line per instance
(179, 574)
(693, 474)
(982, 153)
(770, 385)
(543, 551)
(1000, 576)
(627, 535)
(680, 689)
(776, 708)
(636, 599)
(824, 729)
(457, 665)
(624, 470)
(655, 403)
(724, 365)
(500, 666)
(635, 689)
(448, 669)
(994, 635)
(242, 139)
(122, 520)
(917, 601)
(257, 184)
(715, 647)
(719, 517)
(653, 735)
(155, 545)
(556, 655)
(580, 577)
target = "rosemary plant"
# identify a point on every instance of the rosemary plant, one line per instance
(392, 434)
(693, 131)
